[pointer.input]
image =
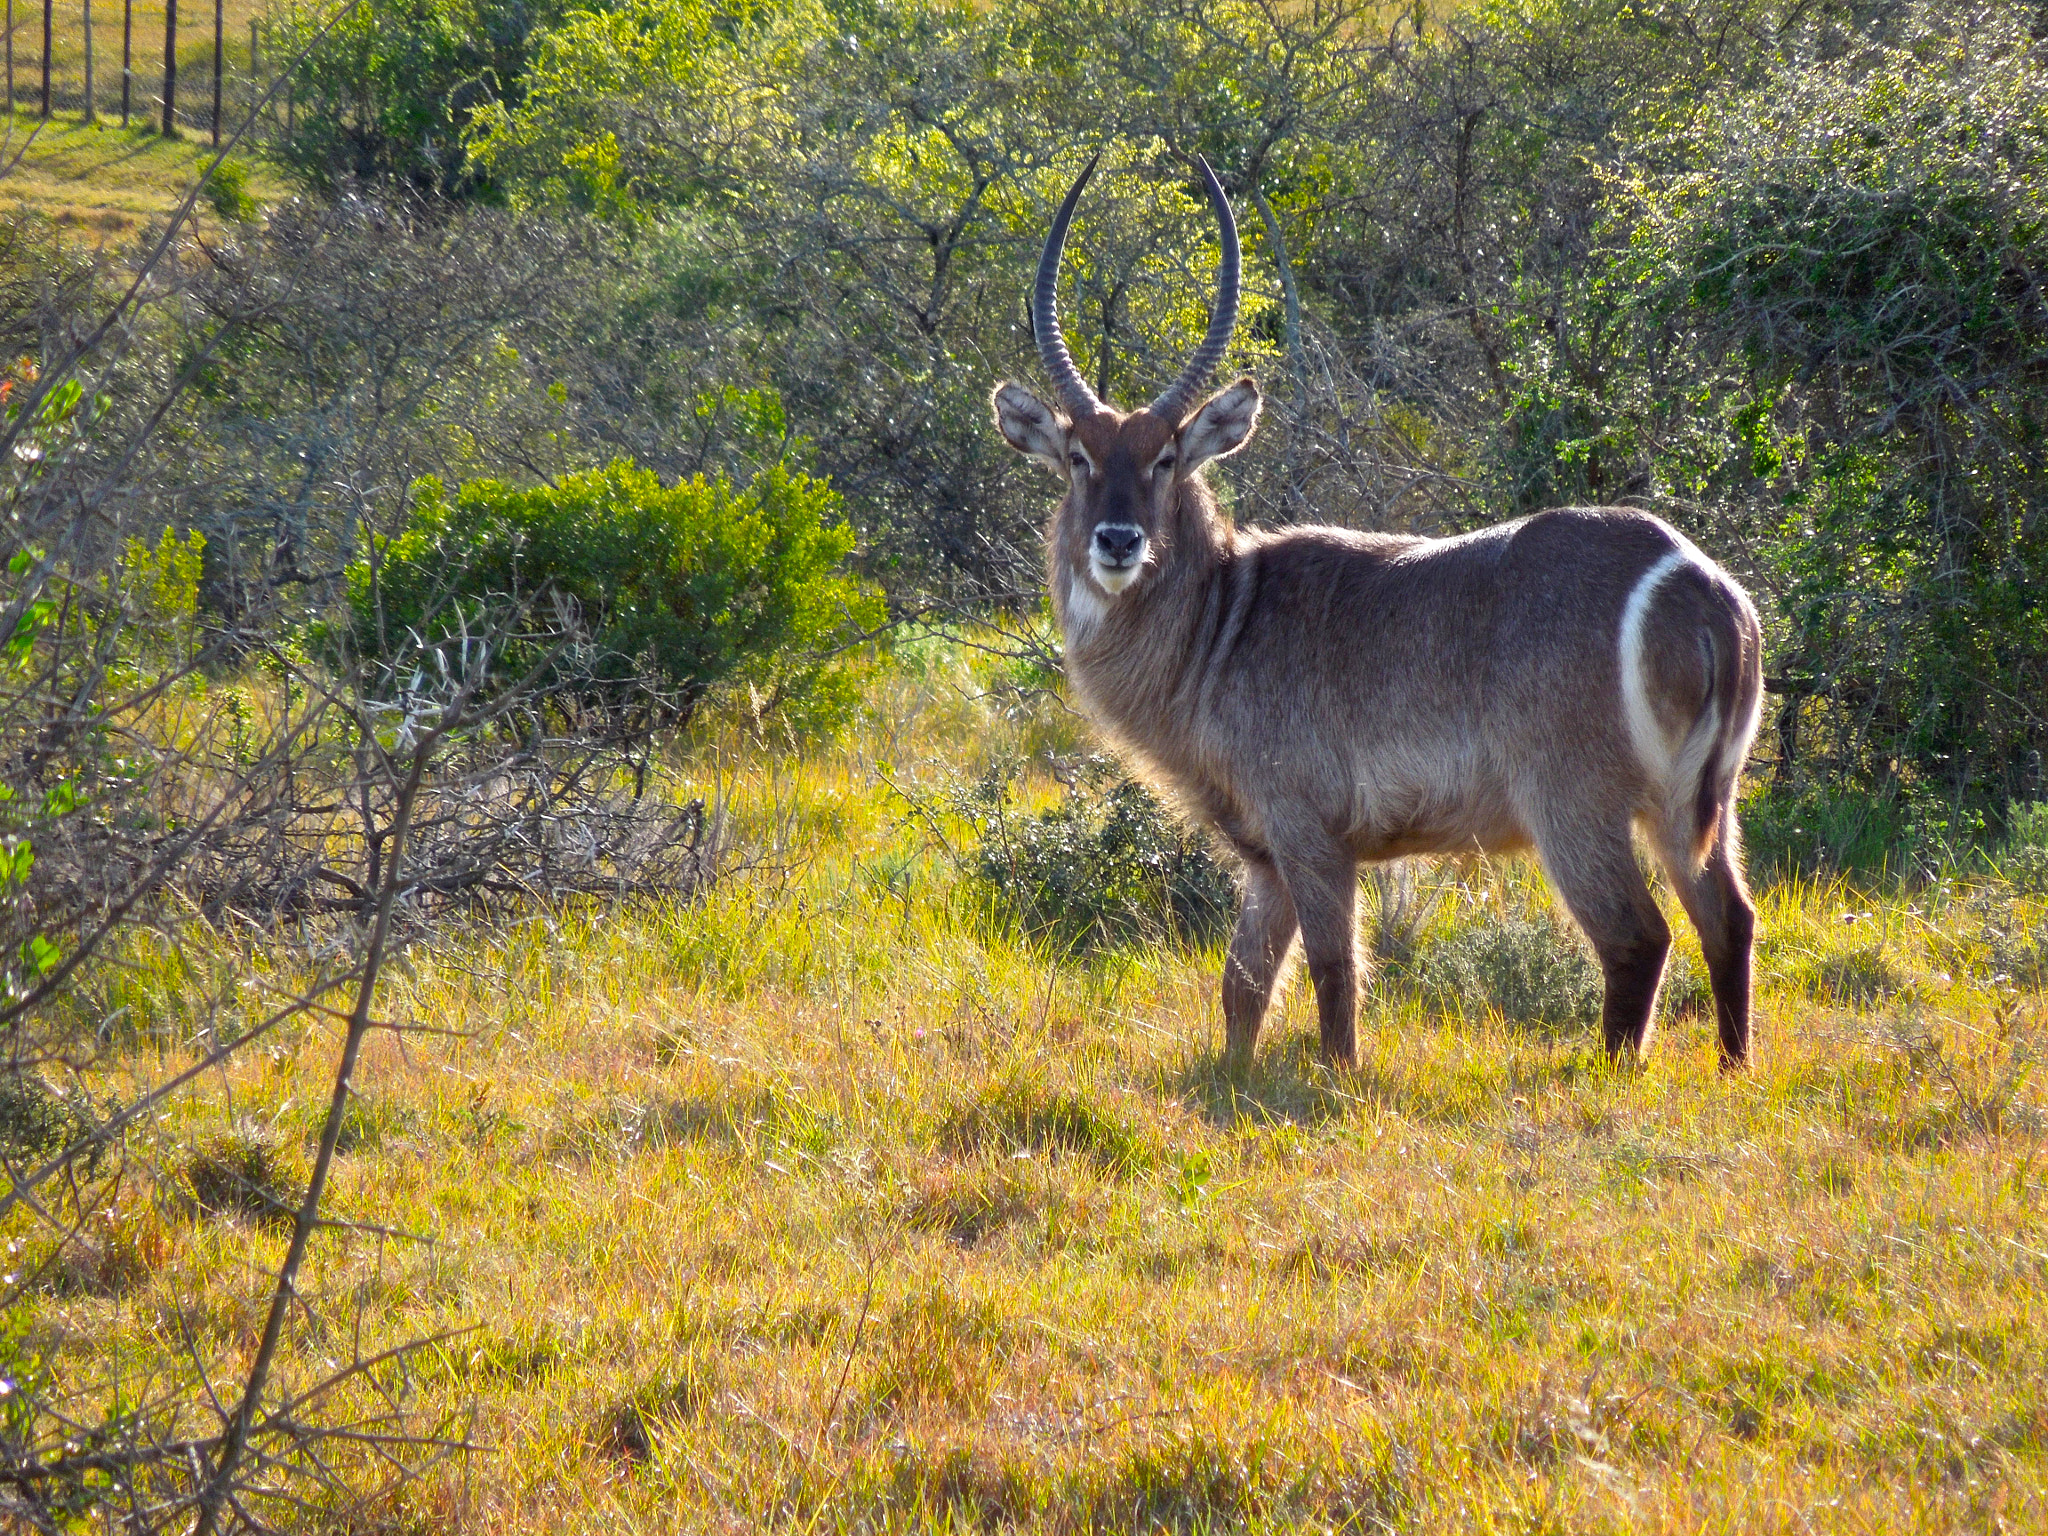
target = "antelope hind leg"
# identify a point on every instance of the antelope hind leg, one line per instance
(1719, 906)
(1597, 877)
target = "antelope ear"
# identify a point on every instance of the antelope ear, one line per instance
(1031, 426)
(1222, 426)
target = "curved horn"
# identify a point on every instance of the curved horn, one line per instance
(1045, 308)
(1222, 321)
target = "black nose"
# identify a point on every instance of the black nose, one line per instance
(1119, 545)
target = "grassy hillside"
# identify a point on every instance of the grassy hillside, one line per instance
(103, 181)
(826, 1203)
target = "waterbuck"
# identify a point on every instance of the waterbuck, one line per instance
(1321, 697)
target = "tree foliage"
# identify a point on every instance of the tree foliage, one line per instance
(1818, 326)
(1772, 268)
(855, 195)
(387, 88)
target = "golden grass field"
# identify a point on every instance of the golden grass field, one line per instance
(827, 1204)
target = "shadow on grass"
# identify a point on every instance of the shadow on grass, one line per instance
(1286, 1083)
(757, 1119)
(1022, 1118)
(1289, 1083)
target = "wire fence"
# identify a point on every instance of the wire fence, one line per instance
(115, 61)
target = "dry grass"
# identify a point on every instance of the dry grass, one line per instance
(822, 1204)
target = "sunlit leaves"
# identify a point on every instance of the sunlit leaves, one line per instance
(653, 105)
(627, 589)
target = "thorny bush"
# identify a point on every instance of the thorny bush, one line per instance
(1107, 866)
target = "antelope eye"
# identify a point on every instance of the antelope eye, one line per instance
(1163, 467)
(1078, 460)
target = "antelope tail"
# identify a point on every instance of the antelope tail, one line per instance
(1695, 775)
(1710, 761)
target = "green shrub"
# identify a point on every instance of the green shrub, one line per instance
(2024, 859)
(1808, 323)
(2017, 950)
(1106, 867)
(36, 1124)
(227, 189)
(1687, 991)
(1848, 248)
(1523, 966)
(664, 592)
(1817, 831)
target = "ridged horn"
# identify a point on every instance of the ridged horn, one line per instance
(1045, 309)
(1172, 405)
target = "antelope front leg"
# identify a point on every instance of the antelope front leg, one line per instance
(1258, 955)
(1325, 893)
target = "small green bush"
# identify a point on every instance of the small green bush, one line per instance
(2024, 859)
(1687, 990)
(1523, 966)
(1106, 867)
(36, 1124)
(227, 189)
(665, 592)
(2017, 951)
(1816, 831)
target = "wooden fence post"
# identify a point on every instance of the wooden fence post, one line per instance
(10, 58)
(170, 67)
(91, 103)
(127, 55)
(46, 58)
(219, 59)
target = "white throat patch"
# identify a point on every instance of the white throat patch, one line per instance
(1085, 608)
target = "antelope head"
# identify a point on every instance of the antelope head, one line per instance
(1125, 472)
